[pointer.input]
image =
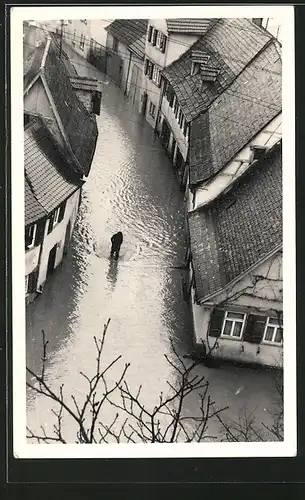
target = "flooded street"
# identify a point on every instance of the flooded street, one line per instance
(131, 188)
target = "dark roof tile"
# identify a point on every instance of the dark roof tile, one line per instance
(189, 26)
(131, 32)
(240, 228)
(231, 44)
(236, 116)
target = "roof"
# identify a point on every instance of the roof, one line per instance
(236, 116)
(189, 26)
(231, 45)
(239, 229)
(48, 179)
(131, 32)
(79, 127)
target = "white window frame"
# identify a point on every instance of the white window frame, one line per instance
(33, 238)
(82, 42)
(27, 284)
(158, 40)
(276, 326)
(156, 75)
(152, 106)
(233, 321)
(56, 216)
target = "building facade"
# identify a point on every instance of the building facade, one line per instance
(60, 135)
(125, 56)
(166, 41)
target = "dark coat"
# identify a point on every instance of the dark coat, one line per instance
(117, 240)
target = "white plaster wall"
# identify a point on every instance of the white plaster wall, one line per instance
(266, 294)
(31, 259)
(182, 142)
(209, 190)
(57, 236)
(97, 29)
(36, 100)
(263, 354)
(177, 45)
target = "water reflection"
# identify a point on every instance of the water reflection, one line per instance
(112, 274)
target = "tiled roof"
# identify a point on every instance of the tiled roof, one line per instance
(231, 44)
(46, 175)
(236, 116)
(189, 26)
(240, 228)
(131, 32)
(33, 209)
(79, 126)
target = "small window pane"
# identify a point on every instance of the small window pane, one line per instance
(269, 333)
(273, 321)
(235, 315)
(227, 328)
(279, 336)
(237, 329)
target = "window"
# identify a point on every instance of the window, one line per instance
(26, 284)
(56, 217)
(150, 31)
(156, 76)
(115, 45)
(163, 42)
(233, 324)
(185, 127)
(148, 68)
(176, 108)
(154, 37)
(30, 235)
(273, 332)
(257, 152)
(152, 109)
(82, 42)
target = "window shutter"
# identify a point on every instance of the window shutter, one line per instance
(185, 128)
(151, 69)
(146, 66)
(33, 281)
(40, 232)
(96, 102)
(254, 329)
(150, 30)
(216, 323)
(154, 38)
(164, 41)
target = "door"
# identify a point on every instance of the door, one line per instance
(144, 104)
(165, 134)
(51, 261)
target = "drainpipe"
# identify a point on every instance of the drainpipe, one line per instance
(159, 107)
(125, 92)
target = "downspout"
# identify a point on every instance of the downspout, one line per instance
(159, 106)
(125, 91)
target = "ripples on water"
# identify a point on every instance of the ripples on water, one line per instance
(131, 188)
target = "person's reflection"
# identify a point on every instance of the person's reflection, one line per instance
(112, 272)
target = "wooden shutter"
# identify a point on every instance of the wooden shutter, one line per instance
(164, 40)
(154, 37)
(151, 69)
(96, 103)
(254, 329)
(32, 284)
(146, 66)
(150, 30)
(40, 232)
(216, 323)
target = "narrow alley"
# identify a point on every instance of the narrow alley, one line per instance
(131, 188)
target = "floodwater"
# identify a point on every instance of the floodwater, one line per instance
(132, 188)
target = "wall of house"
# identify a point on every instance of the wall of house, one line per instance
(168, 113)
(176, 45)
(36, 101)
(134, 83)
(261, 298)
(117, 60)
(31, 259)
(209, 190)
(57, 237)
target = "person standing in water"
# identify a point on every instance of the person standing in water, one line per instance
(116, 242)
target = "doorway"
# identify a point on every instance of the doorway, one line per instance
(51, 261)
(67, 238)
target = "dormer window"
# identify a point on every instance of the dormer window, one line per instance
(195, 68)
